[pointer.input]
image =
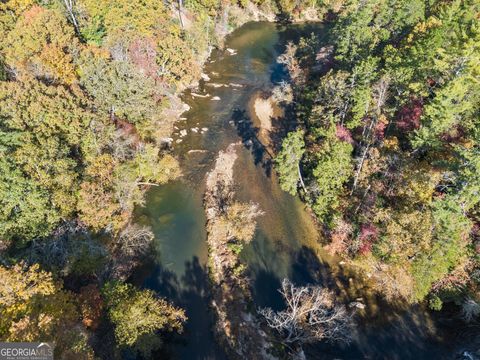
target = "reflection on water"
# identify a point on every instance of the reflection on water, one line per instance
(286, 242)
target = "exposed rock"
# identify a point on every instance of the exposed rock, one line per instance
(223, 170)
(200, 95)
(205, 77)
(217, 85)
(357, 304)
(216, 98)
(183, 132)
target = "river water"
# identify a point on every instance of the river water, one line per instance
(286, 243)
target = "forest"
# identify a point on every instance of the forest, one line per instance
(383, 152)
(387, 145)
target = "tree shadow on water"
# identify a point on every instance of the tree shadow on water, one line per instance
(249, 135)
(265, 290)
(189, 292)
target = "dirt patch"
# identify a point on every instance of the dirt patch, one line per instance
(223, 170)
(264, 111)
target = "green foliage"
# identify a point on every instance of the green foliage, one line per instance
(366, 25)
(435, 303)
(455, 103)
(333, 169)
(236, 248)
(114, 17)
(42, 129)
(288, 161)
(138, 315)
(119, 89)
(451, 229)
(25, 209)
(468, 182)
(398, 111)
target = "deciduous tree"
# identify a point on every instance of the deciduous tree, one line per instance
(139, 314)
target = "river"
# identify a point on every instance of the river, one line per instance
(286, 243)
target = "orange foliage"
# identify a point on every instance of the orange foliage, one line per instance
(91, 306)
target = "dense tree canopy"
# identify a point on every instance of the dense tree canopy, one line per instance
(42, 129)
(391, 143)
(34, 306)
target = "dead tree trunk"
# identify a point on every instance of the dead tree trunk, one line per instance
(70, 7)
(301, 178)
(180, 6)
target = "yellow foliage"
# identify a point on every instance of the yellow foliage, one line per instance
(32, 305)
(97, 205)
(405, 234)
(240, 220)
(392, 281)
(19, 284)
(391, 143)
(423, 27)
(42, 43)
(58, 63)
(419, 182)
(143, 17)
(10, 10)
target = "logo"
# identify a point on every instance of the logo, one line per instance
(26, 351)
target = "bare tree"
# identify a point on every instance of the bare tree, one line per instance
(68, 245)
(289, 59)
(242, 220)
(380, 92)
(133, 244)
(134, 240)
(283, 93)
(180, 6)
(311, 315)
(470, 309)
(70, 7)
